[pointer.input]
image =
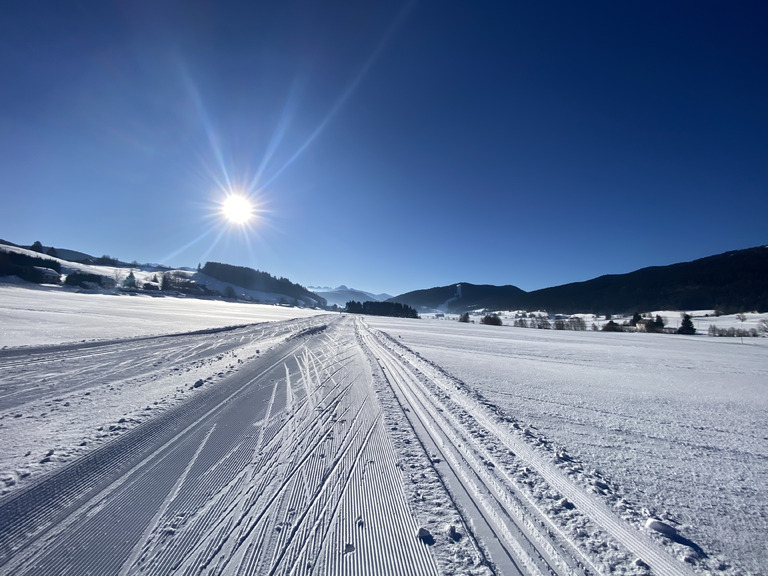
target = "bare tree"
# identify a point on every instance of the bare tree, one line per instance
(741, 317)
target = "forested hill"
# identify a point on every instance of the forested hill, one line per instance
(735, 281)
(251, 279)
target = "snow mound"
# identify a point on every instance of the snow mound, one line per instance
(660, 527)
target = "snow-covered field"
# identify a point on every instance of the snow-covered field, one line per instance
(676, 427)
(271, 443)
(31, 315)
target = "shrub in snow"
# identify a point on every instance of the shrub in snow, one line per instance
(656, 325)
(732, 332)
(611, 326)
(491, 320)
(464, 317)
(576, 323)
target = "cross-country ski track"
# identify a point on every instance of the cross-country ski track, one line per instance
(325, 447)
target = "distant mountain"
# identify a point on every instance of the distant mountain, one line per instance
(341, 295)
(464, 296)
(731, 282)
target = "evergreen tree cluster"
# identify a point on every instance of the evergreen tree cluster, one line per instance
(23, 266)
(394, 309)
(256, 280)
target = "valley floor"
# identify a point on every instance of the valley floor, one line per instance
(336, 444)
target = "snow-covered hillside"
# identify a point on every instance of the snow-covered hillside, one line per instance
(150, 278)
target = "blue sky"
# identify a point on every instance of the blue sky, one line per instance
(389, 146)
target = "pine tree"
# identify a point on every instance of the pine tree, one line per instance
(130, 281)
(686, 326)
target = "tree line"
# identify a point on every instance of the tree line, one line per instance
(256, 280)
(24, 266)
(394, 309)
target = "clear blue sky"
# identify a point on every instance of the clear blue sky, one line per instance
(391, 146)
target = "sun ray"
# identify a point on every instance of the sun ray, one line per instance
(348, 91)
(277, 135)
(186, 246)
(219, 236)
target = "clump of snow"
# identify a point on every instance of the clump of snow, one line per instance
(660, 527)
(425, 536)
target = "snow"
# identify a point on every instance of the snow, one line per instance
(661, 426)
(425, 441)
(279, 463)
(52, 315)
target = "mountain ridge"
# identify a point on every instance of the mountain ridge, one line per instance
(733, 281)
(340, 295)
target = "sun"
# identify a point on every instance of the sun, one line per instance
(237, 209)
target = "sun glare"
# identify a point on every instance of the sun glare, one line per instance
(237, 209)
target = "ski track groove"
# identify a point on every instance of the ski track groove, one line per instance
(487, 489)
(511, 550)
(65, 485)
(299, 464)
(283, 467)
(146, 355)
(477, 413)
